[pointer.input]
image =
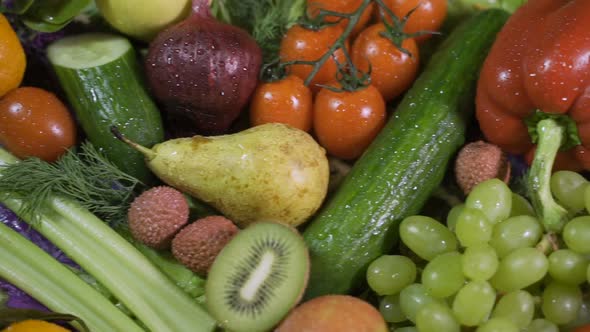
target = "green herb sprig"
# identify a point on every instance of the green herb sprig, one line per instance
(86, 176)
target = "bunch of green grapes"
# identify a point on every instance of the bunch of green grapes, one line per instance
(492, 267)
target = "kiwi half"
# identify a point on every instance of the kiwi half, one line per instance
(258, 277)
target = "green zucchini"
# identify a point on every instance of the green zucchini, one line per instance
(102, 81)
(403, 166)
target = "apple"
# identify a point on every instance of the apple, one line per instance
(334, 313)
(143, 19)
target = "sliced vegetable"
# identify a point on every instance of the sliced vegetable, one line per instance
(115, 263)
(103, 83)
(404, 164)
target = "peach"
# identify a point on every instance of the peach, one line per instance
(334, 313)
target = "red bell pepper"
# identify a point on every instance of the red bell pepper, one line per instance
(540, 61)
(534, 93)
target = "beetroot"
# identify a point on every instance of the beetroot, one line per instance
(203, 72)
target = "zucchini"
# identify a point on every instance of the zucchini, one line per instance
(102, 81)
(405, 163)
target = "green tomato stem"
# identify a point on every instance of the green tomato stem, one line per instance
(551, 136)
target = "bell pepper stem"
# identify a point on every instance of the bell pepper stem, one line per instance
(551, 136)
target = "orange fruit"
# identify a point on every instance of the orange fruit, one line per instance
(12, 58)
(32, 325)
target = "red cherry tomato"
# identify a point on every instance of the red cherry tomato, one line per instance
(286, 101)
(347, 122)
(35, 123)
(428, 16)
(300, 43)
(392, 71)
(341, 6)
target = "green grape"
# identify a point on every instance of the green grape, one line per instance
(493, 198)
(521, 206)
(497, 325)
(568, 266)
(479, 262)
(542, 325)
(412, 299)
(426, 237)
(568, 188)
(473, 228)
(587, 199)
(517, 306)
(519, 269)
(561, 302)
(514, 233)
(576, 234)
(436, 317)
(389, 274)
(453, 216)
(473, 303)
(583, 317)
(391, 310)
(443, 276)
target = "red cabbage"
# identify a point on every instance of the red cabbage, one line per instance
(17, 298)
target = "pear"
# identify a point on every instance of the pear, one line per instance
(270, 172)
(143, 19)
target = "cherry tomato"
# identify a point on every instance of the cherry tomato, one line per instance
(347, 122)
(304, 44)
(392, 71)
(286, 101)
(429, 15)
(35, 123)
(341, 6)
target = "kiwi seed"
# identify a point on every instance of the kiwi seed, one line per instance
(258, 277)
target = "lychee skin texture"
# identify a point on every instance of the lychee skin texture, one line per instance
(157, 215)
(197, 245)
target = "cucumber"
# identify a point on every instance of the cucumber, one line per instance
(404, 164)
(102, 81)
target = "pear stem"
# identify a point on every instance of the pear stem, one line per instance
(145, 151)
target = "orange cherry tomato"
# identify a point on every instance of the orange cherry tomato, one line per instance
(341, 6)
(392, 71)
(286, 101)
(35, 123)
(345, 123)
(428, 16)
(304, 44)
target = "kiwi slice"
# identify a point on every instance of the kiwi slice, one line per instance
(258, 277)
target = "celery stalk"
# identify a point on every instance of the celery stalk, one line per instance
(116, 264)
(34, 271)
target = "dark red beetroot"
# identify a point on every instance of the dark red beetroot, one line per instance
(203, 72)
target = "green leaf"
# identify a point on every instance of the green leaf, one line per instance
(9, 316)
(572, 137)
(18, 7)
(56, 12)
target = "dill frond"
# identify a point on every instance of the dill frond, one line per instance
(87, 177)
